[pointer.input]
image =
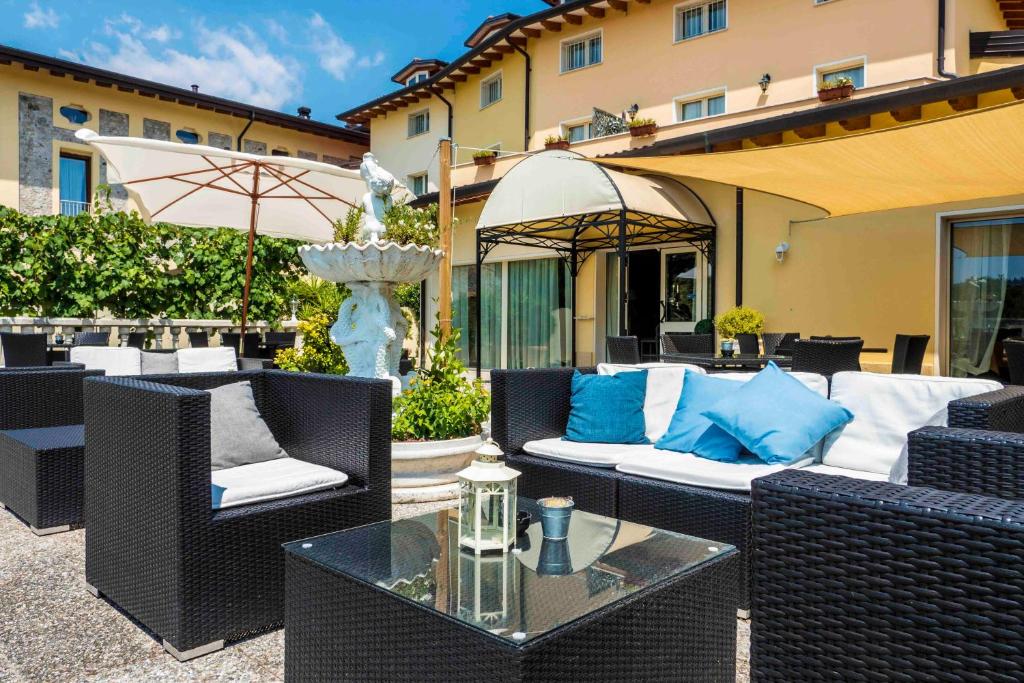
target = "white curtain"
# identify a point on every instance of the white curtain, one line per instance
(538, 312)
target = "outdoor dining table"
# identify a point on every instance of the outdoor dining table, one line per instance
(57, 352)
(716, 362)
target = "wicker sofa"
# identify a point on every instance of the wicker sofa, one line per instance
(155, 545)
(42, 445)
(921, 582)
(533, 405)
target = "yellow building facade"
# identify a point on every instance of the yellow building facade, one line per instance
(43, 101)
(716, 76)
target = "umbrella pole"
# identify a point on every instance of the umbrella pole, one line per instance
(248, 256)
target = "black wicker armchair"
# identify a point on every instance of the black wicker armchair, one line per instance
(199, 339)
(674, 342)
(827, 356)
(1015, 359)
(908, 353)
(198, 576)
(42, 446)
(24, 349)
(92, 339)
(623, 350)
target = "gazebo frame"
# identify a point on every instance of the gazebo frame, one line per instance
(574, 238)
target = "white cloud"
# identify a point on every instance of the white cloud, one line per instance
(375, 60)
(277, 31)
(37, 17)
(162, 33)
(230, 63)
(335, 55)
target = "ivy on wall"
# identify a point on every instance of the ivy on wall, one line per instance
(113, 262)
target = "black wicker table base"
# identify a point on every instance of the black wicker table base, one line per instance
(41, 476)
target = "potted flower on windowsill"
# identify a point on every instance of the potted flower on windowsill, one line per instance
(735, 322)
(436, 425)
(836, 88)
(639, 128)
(485, 157)
(556, 142)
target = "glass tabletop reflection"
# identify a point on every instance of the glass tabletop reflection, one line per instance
(535, 588)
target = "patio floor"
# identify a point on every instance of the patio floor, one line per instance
(52, 629)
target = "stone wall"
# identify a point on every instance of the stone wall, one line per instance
(219, 140)
(254, 147)
(156, 130)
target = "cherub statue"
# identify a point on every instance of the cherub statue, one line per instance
(364, 330)
(380, 184)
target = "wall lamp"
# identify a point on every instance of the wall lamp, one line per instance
(765, 81)
(632, 111)
(780, 251)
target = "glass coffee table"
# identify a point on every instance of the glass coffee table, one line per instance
(614, 601)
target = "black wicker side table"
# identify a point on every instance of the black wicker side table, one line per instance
(616, 601)
(41, 472)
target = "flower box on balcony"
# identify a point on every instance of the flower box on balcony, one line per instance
(836, 89)
(485, 158)
(640, 128)
(556, 143)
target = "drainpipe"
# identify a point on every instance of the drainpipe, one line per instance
(942, 42)
(526, 113)
(238, 142)
(451, 115)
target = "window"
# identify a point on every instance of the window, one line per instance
(698, 19)
(417, 78)
(279, 152)
(578, 53)
(699, 108)
(419, 123)
(418, 184)
(74, 184)
(577, 132)
(74, 114)
(490, 90)
(464, 295)
(189, 137)
(854, 73)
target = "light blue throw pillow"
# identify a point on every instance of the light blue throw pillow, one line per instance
(607, 408)
(690, 431)
(776, 417)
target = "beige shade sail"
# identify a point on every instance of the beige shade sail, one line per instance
(967, 156)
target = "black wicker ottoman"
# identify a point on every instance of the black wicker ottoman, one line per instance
(41, 476)
(398, 601)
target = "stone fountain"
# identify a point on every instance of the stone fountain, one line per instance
(370, 327)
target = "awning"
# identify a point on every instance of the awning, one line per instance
(560, 200)
(967, 156)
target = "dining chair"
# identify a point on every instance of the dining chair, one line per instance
(785, 346)
(827, 356)
(908, 353)
(623, 350)
(199, 340)
(92, 339)
(679, 342)
(136, 340)
(1015, 358)
(22, 350)
(748, 344)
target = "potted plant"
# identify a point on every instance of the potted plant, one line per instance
(737, 321)
(835, 88)
(641, 127)
(485, 157)
(556, 142)
(436, 425)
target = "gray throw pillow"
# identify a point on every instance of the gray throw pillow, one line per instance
(159, 363)
(238, 434)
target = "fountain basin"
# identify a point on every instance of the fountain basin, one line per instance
(426, 471)
(371, 262)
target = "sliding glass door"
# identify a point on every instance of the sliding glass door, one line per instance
(464, 313)
(539, 325)
(986, 293)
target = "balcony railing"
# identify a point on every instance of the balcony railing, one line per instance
(72, 208)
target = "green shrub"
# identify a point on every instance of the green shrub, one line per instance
(441, 403)
(739, 320)
(705, 326)
(636, 123)
(406, 225)
(318, 352)
(346, 229)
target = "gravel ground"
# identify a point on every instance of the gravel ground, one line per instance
(52, 629)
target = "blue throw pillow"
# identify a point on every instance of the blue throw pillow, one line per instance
(776, 417)
(607, 408)
(690, 431)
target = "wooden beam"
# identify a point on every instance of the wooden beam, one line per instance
(573, 19)
(458, 78)
(856, 123)
(964, 103)
(480, 62)
(618, 4)
(768, 139)
(530, 32)
(596, 12)
(447, 85)
(904, 114)
(1018, 93)
(553, 26)
(731, 146)
(387, 106)
(469, 69)
(809, 132)
(515, 40)
(501, 48)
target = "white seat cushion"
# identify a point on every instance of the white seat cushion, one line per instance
(820, 468)
(687, 468)
(213, 359)
(597, 454)
(664, 383)
(113, 360)
(270, 480)
(885, 409)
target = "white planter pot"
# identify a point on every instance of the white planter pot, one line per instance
(426, 471)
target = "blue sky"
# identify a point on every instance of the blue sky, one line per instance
(329, 56)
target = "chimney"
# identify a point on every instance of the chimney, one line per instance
(304, 112)
(195, 87)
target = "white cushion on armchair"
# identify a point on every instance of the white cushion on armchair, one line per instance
(213, 359)
(270, 480)
(113, 360)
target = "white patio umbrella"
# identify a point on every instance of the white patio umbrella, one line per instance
(212, 188)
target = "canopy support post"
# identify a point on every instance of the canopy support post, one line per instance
(255, 196)
(739, 246)
(478, 305)
(573, 269)
(623, 255)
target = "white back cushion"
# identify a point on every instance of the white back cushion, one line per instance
(664, 383)
(813, 381)
(885, 409)
(113, 360)
(213, 359)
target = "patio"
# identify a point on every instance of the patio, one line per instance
(56, 630)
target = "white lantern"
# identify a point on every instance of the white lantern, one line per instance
(487, 502)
